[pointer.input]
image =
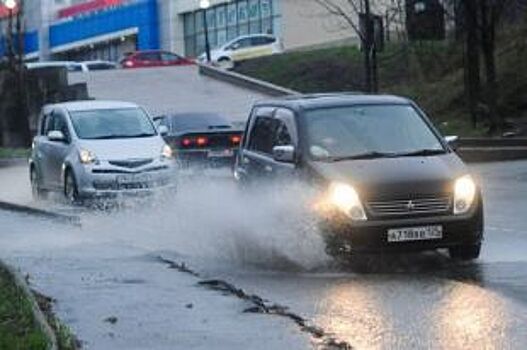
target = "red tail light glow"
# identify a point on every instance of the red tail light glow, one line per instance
(186, 142)
(236, 139)
(202, 141)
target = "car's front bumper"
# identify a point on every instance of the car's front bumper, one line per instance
(372, 236)
(103, 181)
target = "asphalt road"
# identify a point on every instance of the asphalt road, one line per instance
(108, 267)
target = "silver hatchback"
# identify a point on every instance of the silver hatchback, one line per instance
(92, 149)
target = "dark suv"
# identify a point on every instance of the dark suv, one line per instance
(388, 180)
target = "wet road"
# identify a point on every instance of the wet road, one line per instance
(401, 302)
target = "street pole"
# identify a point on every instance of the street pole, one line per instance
(207, 44)
(367, 47)
(10, 45)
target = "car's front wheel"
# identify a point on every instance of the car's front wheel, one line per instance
(71, 190)
(465, 252)
(36, 191)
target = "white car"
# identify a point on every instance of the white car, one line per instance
(72, 66)
(92, 149)
(243, 48)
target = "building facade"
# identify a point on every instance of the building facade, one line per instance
(106, 29)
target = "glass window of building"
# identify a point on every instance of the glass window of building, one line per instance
(228, 21)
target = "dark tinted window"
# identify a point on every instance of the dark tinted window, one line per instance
(241, 44)
(349, 131)
(282, 135)
(263, 135)
(149, 56)
(60, 124)
(100, 66)
(169, 57)
(186, 122)
(262, 40)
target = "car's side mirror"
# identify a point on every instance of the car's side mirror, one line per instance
(452, 141)
(56, 136)
(284, 154)
(163, 130)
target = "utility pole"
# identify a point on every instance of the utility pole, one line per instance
(367, 47)
(372, 49)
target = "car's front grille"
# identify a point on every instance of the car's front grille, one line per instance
(410, 207)
(131, 163)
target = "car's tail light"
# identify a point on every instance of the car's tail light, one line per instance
(202, 141)
(186, 142)
(236, 139)
(128, 63)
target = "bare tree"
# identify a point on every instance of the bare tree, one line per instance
(351, 12)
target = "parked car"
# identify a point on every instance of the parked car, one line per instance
(201, 138)
(243, 48)
(98, 65)
(72, 66)
(388, 180)
(92, 149)
(153, 58)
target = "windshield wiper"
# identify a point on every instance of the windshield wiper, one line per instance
(423, 152)
(138, 135)
(367, 155)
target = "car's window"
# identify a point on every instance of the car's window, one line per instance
(169, 57)
(198, 121)
(241, 44)
(112, 123)
(148, 56)
(74, 68)
(100, 66)
(263, 135)
(282, 135)
(60, 124)
(43, 124)
(48, 124)
(355, 130)
(262, 40)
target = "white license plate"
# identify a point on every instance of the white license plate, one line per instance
(129, 179)
(225, 153)
(422, 233)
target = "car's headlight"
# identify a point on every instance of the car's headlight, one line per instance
(346, 199)
(464, 194)
(166, 152)
(87, 157)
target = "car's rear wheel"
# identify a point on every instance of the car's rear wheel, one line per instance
(36, 191)
(71, 191)
(225, 63)
(465, 252)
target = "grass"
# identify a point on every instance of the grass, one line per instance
(10, 153)
(431, 73)
(18, 328)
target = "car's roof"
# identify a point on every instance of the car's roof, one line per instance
(30, 65)
(310, 101)
(91, 105)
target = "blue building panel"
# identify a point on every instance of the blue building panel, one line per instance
(141, 15)
(30, 43)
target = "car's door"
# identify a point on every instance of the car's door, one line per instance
(41, 147)
(148, 59)
(257, 144)
(260, 46)
(170, 59)
(58, 150)
(241, 49)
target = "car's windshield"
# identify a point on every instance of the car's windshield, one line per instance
(112, 124)
(373, 130)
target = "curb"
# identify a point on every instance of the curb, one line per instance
(69, 219)
(244, 81)
(40, 318)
